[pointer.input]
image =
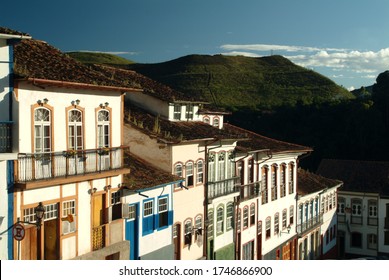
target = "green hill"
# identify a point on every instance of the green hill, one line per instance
(99, 58)
(235, 82)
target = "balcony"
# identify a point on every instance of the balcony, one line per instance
(44, 169)
(250, 191)
(5, 137)
(98, 237)
(309, 224)
(222, 188)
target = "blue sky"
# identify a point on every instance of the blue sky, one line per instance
(345, 40)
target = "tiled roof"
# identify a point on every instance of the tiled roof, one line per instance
(174, 131)
(308, 182)
(360, 176)
(148, 85)
(259, 142)
(144, 176)
(8, 31)
(38, 60)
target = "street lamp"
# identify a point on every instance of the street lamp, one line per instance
(40, 212)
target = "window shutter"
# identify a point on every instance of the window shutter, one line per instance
(148, 225)
(156, 221)
(109, 214)
(125, 211)
(170, 218)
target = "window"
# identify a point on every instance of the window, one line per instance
(264, 185)
(273, 182)
(284, 219)
(211, 167)
(189, 174)
(268, 227)
(132, 212)
(330, 201)
(177, 112)
(68, 216)
(283, 180)
(216, 122)
(42, 130)
(356, 240)
(103, 124)
(239, 220)
(189, 111)
(210, 224)
(148, 217)
(248, 251)
(251, 170)
(245, 217)
(356, 211)
(341, 206)
(229, 219)
(178, 172)
(163, 214)
(230, 165)
(372, 241)
(386, 237)
(291, 214)
(188, 232)
(75, 130)
(222, 166)
(206, 120)
(200, 172)
(252, 215)
(276, 223)
(220, 220)
(51, 211)
(291, 178)
(116, 205)
(198, 226)
(372, 215)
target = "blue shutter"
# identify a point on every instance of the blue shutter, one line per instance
(148, 225)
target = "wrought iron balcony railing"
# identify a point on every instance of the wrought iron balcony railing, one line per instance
(249, 191)
(5, 137)
(309, 224)
(41, 166)
(221, 188)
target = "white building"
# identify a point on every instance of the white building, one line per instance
(68, 132)
(316, 216)
(266, 216)
(8, 152)
(363, 209)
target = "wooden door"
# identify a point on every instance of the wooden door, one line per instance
(177, 241)
(286, 252)
(51, 248)
(29, 245)
(98, 213)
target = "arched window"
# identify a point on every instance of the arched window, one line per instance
(230, 216)
(276, 223)
(206, 120)
(245, 217)
(189, 174)
(75, 130)
(178, 172)
(200, 172)
(265, 170)
(268, 227)
(103, 129)
(220, 220)
(274, 182)
(216, 122)
(42, 130)
(252, 214)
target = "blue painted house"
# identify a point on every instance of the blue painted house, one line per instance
(148, 193)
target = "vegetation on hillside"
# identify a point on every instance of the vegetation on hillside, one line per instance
(236, 82)
(99, 58)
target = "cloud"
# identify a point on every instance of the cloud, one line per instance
(336, 59)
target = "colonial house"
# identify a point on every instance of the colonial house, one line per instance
(363, 206)
(148, 198)
(316, 216)
(8, 151)
(183, 148)
(68, 121)
(266, 210)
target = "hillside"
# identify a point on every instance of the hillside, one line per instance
(99, 58)
(235, 82)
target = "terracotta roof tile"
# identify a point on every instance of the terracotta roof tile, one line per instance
(308, 182)
(143, 175)
(361, 176)
(260, 142)
(37, 59)
(8, 31)
(174, 131)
